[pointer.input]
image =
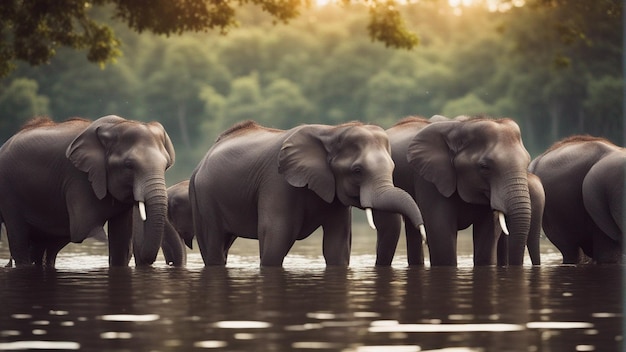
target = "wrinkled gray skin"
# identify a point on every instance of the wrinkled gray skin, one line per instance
(459, 171)
(537, 204)
(62, 181)
(583, 178)
(179, 229)
(279, 186)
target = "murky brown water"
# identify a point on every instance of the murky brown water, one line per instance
(304, 306)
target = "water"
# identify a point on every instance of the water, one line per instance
(304, 306)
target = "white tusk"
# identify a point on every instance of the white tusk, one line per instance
(142, 210)
(503, 223)
(370, 218)
(423, 232)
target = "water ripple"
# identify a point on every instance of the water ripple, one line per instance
(39, 345)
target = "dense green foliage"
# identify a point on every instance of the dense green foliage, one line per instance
(554, 68)
(33, 30)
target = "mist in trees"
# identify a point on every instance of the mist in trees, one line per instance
(556, 70)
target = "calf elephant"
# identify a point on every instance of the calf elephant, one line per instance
(279, 186)
(179, 229)
(60, 182)
(583, 178)
(460, 171)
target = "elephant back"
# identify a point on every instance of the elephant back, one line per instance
(41, 137)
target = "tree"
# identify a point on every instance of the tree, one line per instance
(18, 103)
(322, 68)
(468, 105)
(173, 86)
(284, 106)
(244, 101)
(549, 76)
(604, 107)
(83, 90)
(389, 97)
(33, 30)
(214, 111)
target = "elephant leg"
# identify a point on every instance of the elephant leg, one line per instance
(228, 242)
(19, 238)
(571, 255)
(120, 238)
(37, 251)
(414, 245)
(441, 223)
(274, 244)
(534, 249)
(337, 242)
(212, 246)
(388, 227)
(503, 250)
(564, 238)
(485, 240)
(442, 249)
(210, 232)
(606, 250)
(53, 248)
(45, 248)
(214, 243)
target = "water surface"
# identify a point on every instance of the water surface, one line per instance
(305, 306)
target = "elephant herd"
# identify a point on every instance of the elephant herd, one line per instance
(61, 182)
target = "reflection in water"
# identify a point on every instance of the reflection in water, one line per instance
(551, 308)
(307, 306)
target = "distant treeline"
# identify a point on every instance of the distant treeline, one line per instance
(532, 64)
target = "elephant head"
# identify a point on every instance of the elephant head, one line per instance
(179, 211)
(127, 160)
(351, 163)
(484, 161)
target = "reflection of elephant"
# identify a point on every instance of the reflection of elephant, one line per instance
(583, 179)
(62, 181)
(537, 204)
(253, 183)
(460, 171)
(179, 230)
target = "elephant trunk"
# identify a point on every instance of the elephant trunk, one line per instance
(394, 200)
(518, 215)
(148, 239)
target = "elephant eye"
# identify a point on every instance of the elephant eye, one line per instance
(484, 166)
(128, 164)
(357, 170)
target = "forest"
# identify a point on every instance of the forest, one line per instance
(555, 70)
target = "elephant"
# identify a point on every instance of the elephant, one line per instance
(460, 171)
(61, 182)
(278, 186)
(179, 228)
(583, 178)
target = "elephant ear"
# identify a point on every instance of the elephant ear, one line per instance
(87, 152)
(158, 130)
(431, 154)
(303, 160)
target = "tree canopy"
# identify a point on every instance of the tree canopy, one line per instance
(323, 67)
(33, 30)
